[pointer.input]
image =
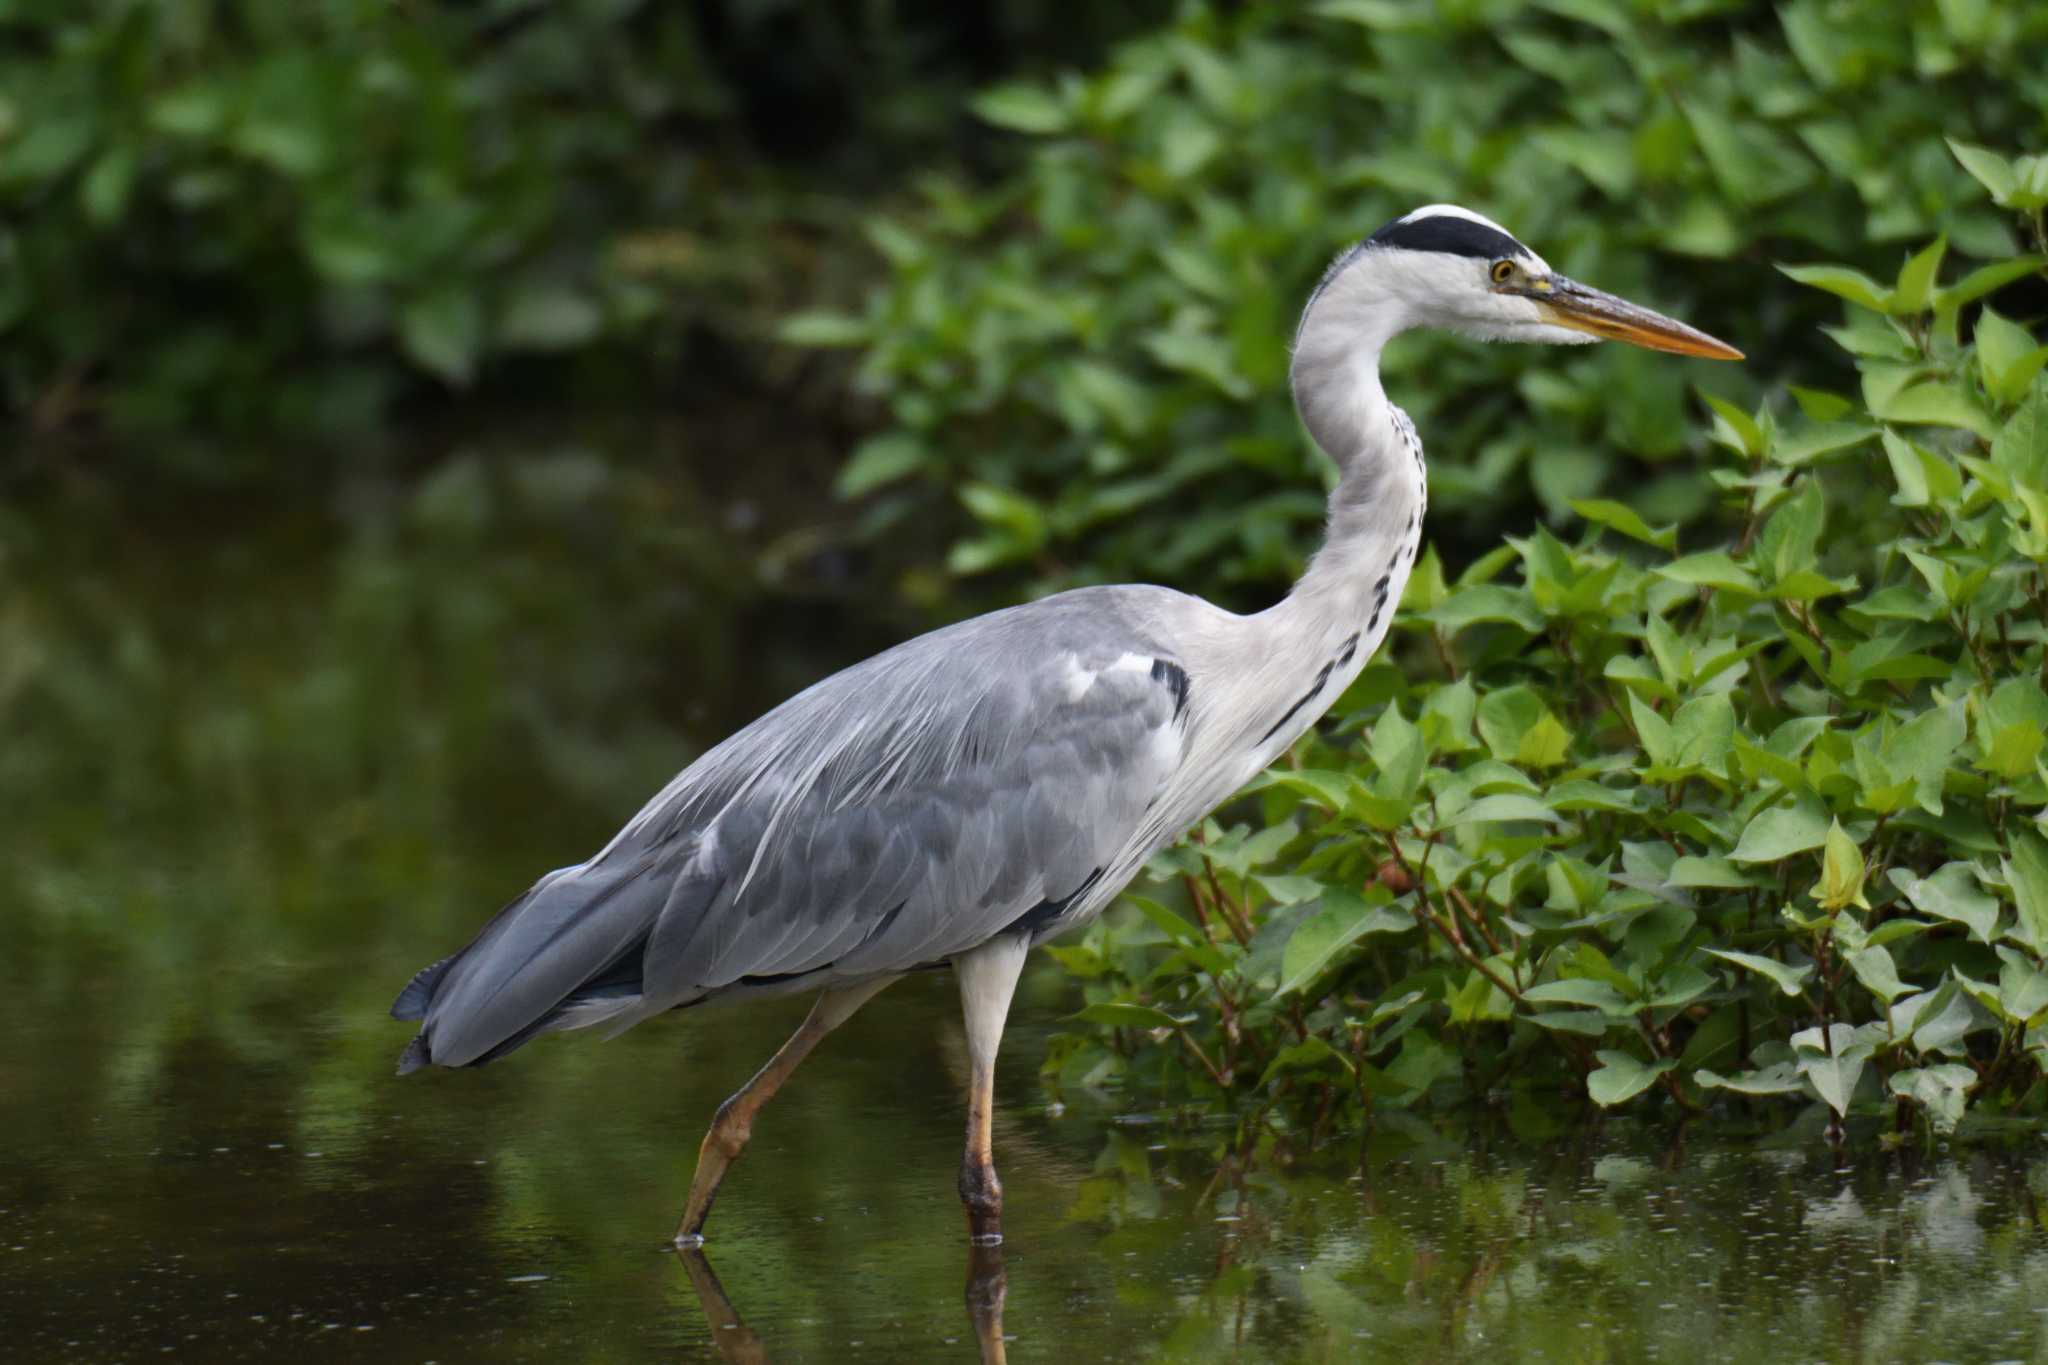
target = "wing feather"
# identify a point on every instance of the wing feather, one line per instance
(893, 816)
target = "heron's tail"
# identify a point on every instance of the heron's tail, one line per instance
(567, 954)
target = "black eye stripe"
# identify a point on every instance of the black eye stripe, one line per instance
(1450, 234)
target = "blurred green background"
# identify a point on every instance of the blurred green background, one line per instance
(428, 425)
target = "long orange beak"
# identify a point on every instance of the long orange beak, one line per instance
(1567, 303)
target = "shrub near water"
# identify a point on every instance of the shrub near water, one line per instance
(1761, 818)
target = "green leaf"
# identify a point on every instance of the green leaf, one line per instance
(1486, 602)
(1021, 108)
(1874, 967)
(1620, 517)
(2007, 356)
(2026, 871)
(1940, 1019)
(824, 329)
(1659, 745)
(2020, 449)
(877, 461)
(1323, 939)
(1124, 1014)
(2022, 988)
(1711, 570)
(1941, 1090)
(1834, 1066)
(1519, 728)
(1987, 279)
(1807, 443)
(1508, 806)
(1289, 890)
(1398, 755)
(1788, 979)
(1622, 1077)
(1581, 990)
(1013, 512)
(1922, 750)
(1914, 292)
(1209, 358)
(1703, 733)
(1841, 872)
(1333, 790)
(1780, 831)
(1790, 540)
(104, 192)
(1779, 1078)
(1951, 893)
(1169, 923)
(1989, 169)
(1735, 428)
(1707, 873)
(1934, 403)
(1853, 285)
(1585, 1023)
(2011, 728)
(443, 332)
(1922, 476)
(1107, 390)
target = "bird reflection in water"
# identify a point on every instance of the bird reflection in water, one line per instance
(987, 1283)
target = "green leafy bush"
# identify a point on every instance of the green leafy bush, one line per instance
(240, 216)
(1762, 818)
(1090, 356)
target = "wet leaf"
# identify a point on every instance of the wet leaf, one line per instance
(1621, 1077)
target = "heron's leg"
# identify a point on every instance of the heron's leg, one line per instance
(988, 977)
(735, 1119)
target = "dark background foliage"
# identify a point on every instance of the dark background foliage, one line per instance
(301, 220)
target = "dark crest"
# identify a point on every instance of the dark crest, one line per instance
(1448, 233)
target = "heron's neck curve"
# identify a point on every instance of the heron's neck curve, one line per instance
(1375, 509)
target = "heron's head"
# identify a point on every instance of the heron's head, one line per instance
(1448, 267)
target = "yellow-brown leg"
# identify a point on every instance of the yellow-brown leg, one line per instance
(988, 976)
(734, 1122)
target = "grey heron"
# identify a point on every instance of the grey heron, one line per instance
(977, 790)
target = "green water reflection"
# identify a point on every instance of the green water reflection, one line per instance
(249, 785)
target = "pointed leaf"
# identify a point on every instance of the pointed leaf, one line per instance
(1788, 979)
(1622, 1077)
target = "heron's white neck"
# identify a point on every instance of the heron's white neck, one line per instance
(1375, 509)
(1284, 666)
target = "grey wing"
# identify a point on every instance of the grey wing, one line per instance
(1000, 775)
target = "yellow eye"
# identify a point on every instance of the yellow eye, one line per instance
(1503, 271)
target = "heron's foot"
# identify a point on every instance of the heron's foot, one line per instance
(982, 1194)
(722, 1146)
